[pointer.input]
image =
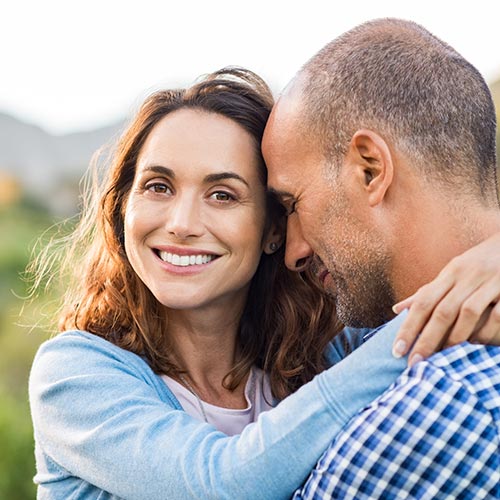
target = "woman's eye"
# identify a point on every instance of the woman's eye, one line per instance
(221, 196)
(158, 187)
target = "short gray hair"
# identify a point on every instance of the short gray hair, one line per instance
(398, 79)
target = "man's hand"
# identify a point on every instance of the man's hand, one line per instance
(462, 303)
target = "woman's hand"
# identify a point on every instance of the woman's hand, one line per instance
(462, 303)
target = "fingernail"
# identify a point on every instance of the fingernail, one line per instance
(416, 358)
(399, 348)
(395, 309)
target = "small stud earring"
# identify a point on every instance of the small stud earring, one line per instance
(273, 246)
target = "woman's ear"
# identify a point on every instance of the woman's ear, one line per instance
(275, 237)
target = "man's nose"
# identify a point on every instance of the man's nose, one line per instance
(184, 218)
(298, 253)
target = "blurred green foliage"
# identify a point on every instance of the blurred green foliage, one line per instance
(20, 226)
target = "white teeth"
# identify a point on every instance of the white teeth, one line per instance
(185, 260)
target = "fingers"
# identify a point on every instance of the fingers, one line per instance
(431, 340)
(489, 333)
(482, 321)
(451, 323)
(471, 317)
(423, 304)
(404, 304)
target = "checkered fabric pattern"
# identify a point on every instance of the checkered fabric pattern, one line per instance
(433, 434)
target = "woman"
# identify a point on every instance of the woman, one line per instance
(182, 322)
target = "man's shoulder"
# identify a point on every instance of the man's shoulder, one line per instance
(476, 367)
(457, 379)
(433, 433)
(467, 358)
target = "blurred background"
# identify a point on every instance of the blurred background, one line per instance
(74, 72)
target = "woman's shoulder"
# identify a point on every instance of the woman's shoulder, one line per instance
(82, 362)
(79, 342)
(75, 352)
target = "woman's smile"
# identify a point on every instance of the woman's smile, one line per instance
(184, 256)
(185, 261)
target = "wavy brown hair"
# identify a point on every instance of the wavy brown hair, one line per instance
(287, 320)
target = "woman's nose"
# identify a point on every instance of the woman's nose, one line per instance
(184, 217)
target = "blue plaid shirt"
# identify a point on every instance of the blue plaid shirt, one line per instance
(432, 434)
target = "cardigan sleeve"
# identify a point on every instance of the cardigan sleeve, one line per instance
(99, 416)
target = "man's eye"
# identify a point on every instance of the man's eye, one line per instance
(290, 208)
(221, 196)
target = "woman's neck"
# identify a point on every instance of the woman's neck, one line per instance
(205, 346)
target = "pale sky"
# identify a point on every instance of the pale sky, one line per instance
(70, 65)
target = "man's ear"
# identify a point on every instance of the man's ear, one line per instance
(370, 160)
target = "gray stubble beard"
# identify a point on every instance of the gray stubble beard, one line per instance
(364, 297)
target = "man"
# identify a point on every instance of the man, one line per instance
(382, 149)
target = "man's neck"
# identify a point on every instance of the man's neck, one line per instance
(438, 233)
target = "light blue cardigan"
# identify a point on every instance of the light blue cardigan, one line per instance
(107, 427)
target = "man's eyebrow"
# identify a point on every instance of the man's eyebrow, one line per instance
(158, 169)
(281, 195)
(224, 176)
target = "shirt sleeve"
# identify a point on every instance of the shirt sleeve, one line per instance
(348, 340)
(98, 415)
(426, 437)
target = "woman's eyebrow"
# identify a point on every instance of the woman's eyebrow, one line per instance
(220, 176)
(225, 175)
(158, 169)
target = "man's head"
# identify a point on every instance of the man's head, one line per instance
(385, 111)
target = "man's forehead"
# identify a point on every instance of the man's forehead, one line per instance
(280, 135)
(277, 149)
(285, 112)
(283, 143)
(289, 106)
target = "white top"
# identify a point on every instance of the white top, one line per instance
(227, 420)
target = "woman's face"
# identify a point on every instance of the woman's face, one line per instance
(195, 215)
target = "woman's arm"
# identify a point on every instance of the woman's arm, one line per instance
(100, 413)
